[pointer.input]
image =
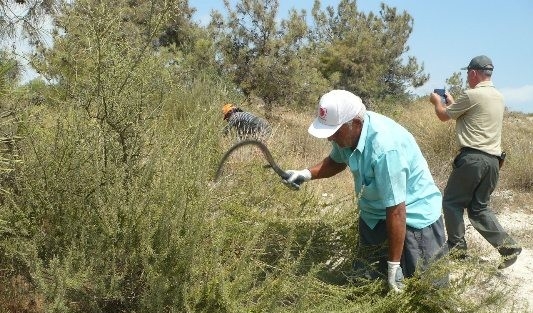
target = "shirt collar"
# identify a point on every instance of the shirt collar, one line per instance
(364, 132)
(485, 83)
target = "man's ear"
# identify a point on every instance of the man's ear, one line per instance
(357, 124)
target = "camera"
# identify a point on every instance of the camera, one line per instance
(442, 94)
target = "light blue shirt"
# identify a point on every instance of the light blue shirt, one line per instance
(388, 169)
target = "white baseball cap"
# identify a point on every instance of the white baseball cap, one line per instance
(334, 109)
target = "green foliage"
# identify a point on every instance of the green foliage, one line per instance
(10, 72)
(24, 17)
(345, 49)
(9, 95)
(105, 245)
(455, 83)
(265, 58)
(364, 53)
(107, 68)
(179, 30)
(190, 45)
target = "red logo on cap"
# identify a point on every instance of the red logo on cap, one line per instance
(322, 113)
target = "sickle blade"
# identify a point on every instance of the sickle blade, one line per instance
(263, 149)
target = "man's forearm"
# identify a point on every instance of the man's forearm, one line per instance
(440, 108)
(326, 168)
(440, 111)
(396, 228)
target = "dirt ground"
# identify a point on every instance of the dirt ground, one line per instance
(518, 222)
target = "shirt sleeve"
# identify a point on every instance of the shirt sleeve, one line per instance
(390, 171)
(455, 110)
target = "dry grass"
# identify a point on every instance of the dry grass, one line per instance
(297, 149)
(17, 295)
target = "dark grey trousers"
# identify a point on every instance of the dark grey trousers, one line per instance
(421, 246)
(472, 181)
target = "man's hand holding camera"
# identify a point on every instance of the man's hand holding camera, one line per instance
(441, 100)
(442, 96)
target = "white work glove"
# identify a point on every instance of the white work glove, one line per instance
(296, 178)
(395, 276)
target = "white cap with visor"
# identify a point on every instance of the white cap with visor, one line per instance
(334, 109)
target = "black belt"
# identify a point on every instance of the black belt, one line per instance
(469, 149)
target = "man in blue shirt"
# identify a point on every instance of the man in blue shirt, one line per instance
(398, 201)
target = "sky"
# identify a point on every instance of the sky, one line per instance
(447, 34)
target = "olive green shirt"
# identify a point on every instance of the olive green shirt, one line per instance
(479, 116)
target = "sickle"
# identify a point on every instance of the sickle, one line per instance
(284, 175)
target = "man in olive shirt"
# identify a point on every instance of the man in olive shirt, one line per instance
(479, 115)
